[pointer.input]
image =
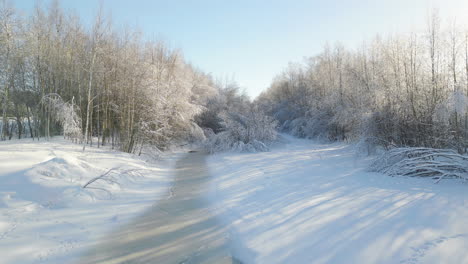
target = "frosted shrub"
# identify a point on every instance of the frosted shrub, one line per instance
(243, 133)
(422, 162)
(231, 122)
(66, 114)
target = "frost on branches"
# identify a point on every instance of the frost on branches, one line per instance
(66, 114)
(249, 133)
(422, 162)
(233, 123)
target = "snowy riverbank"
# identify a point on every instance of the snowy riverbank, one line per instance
(45, 214)
(315, 203)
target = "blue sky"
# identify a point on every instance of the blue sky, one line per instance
(252, 41)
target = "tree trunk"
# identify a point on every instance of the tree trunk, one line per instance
(89, 101)
(29, 122)
(4, 114)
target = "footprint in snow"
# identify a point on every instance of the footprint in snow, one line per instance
(421, 251)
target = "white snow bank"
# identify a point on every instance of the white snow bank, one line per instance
(45, 214)
(315, 203)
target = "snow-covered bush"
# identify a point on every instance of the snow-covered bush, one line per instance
(250, 133)
(450, 116)
(456, 102)
(422, 162)
(196, 133)
(66, 114)
(231, 122)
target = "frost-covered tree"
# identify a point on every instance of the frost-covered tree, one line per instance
(125, 91)
(9, 32)
(402, 90)
(65, 113)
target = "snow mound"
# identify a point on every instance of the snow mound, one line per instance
(64, 177)
(46, 214)
(67, 168)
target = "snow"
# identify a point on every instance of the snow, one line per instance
(45, 214)
(308, 202)
(302, 202)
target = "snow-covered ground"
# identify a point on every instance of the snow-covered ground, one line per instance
(303, 202)
(315, 203)
(45, 214)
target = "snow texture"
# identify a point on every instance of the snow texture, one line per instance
(307, 202)
(46, 216)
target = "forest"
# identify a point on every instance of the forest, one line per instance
(120, 147)
(101, 85)
(106, 85)
(400, 90)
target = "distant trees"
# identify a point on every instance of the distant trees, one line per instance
(232, 122)
(112, 85)
(404, 90)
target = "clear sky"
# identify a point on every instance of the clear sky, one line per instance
(253, 40)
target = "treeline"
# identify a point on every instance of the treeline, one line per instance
(59, 77)
(402, 90)
(232, 122)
